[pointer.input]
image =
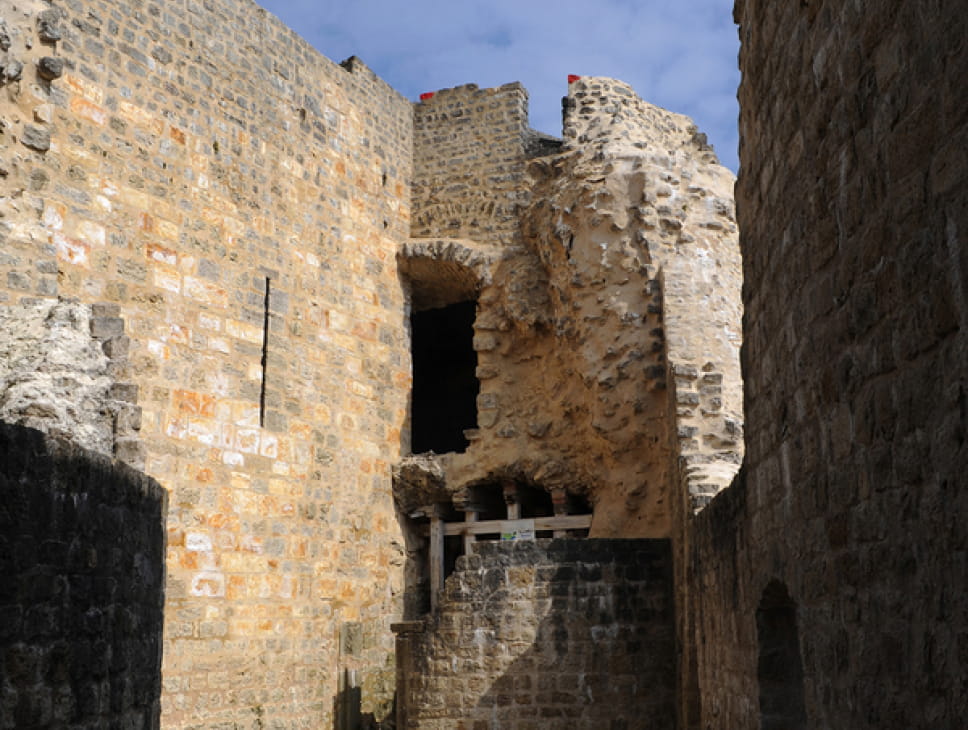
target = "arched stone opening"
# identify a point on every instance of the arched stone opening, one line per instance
(779, 668)
(444, 280)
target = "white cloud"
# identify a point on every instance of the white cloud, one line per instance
(679, 55)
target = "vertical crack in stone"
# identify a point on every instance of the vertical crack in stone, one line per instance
(265, 354)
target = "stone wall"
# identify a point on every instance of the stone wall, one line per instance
(469, 164)
(82, 542)
(240, 199)
(645, 211)
(549, 633)
(853, 209)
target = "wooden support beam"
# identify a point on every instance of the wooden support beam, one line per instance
(510, 488)
(436, 554)
(483, 527)
(469, 539)
(559, 500)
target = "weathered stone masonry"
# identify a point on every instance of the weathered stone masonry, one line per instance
(217, 220)
(206, 234)
(189, 156)
(609, 261)
(469, 176)
(64, 370)
(551, 633)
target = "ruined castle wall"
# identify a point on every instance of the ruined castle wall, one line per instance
(550, 633)
(657, 220)
(629, 267)
(82, 562)
(608, 359)
(607, 355)
(853, 210)
(177, 159)
(671, 203)
(469, 164)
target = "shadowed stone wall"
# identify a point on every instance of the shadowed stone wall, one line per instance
(549, 633)
(82, 543)
(853, 207)
(239, 202)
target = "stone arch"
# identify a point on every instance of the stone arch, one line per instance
(442, 271)
(779, 667)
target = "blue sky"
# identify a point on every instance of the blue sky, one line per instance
(678, 54)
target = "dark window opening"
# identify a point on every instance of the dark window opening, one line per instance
(780, 669)
(535, 502)
(488, 501)
(445, 384)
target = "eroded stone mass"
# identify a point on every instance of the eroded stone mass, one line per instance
(440, 406)
(62, 370)
(614, 284)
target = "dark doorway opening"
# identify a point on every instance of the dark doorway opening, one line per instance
(780, 669)
(445, 385)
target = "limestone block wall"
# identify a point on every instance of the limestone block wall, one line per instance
(82, 551)
(549, 633)
(853, 209)
(240, 200)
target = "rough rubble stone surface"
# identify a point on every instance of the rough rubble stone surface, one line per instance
(607, 333)
(54, 374)
(63, 370)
